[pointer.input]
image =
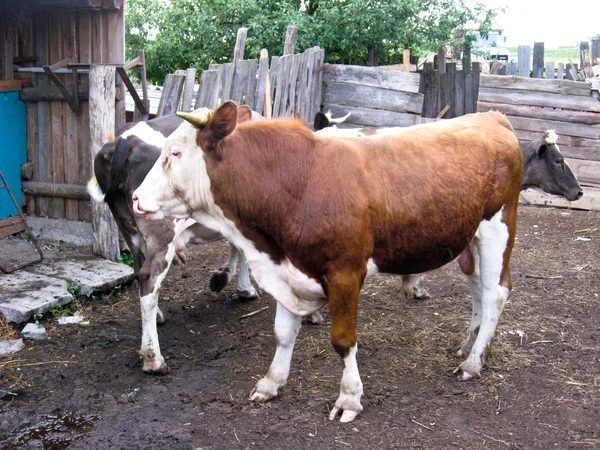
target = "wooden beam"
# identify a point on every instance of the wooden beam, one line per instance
(240, 45)
(68, 96)
(67, 191)
(51, 93)
(291, 36)
(141, 105)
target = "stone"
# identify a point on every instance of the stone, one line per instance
(68, 320)
(33, 331)
(11, 346)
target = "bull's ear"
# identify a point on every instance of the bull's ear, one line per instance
(244, 114)
(198, 118)
(541, 149)
(321, 121)
(223, 120)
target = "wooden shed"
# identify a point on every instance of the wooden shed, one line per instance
(48, 51)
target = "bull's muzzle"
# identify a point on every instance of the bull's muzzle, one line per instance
(137, 208)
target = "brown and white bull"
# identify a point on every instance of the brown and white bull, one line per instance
(119, 168)
(316, 215)
(544, 168)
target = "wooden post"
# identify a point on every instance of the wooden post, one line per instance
(538, 60)
(291, 36)
(584, 46)
(524, 61)
(595, 55)
(406, 60)
(549, 70)
(441, 58)
(188, 90)
(105, 236)
(240, 45)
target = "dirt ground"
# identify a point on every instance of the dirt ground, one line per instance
(84, 388)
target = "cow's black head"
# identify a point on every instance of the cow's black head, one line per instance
(546, 168)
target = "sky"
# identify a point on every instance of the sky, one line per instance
(554, 23)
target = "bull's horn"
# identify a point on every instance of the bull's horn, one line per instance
(551, 137)
(338, 120)
(199, 117)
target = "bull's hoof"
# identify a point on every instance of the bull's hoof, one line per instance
(264, 391)
(218, 281)
(153, 368)
(160, 317)
(249, 294)
(468, 371)
(348, 406)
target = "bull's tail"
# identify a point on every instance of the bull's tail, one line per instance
(94, 190)
(118, 168)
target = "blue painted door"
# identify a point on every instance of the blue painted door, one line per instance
(13, 149)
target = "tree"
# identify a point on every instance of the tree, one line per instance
(177, 34)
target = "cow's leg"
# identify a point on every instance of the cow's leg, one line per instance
(494, 240)
(152, 274)
(469, 264)
(287, 326)
(413, 286)
(343, 292)
(244, 285)
(223, 276)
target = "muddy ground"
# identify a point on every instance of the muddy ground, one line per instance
(84, 388)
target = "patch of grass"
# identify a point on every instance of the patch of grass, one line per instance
(74, 289)
(555, 55)
(125, 258)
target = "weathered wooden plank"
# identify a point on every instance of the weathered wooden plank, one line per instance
(51, 93)
(171, 96)
(364, 117)
(566, 87)
(312, 65)
(57, 172)
(459, 93)
(276, 67)
(240, 45)
(115, 24)
(249, 92)
(564, 141)
(589, 201)
(585, 171)
(372, 76)
(240, 80)
(372, 97)
(261, 84)
(105, 237)
(563, 115)
(11, 226)
(85, 158)
(429, 87)
(532, 98)
(317, 93)
(291, 36)
(292, 105)
(31, 148)
(188, 90)
(538, 60)
(207, 89)
(71, 160)
(549, 71)
(41, 124)
(524, 58)
(226, 72)
(562, 128)
(560, 71)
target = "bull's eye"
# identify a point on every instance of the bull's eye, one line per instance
(174, 153)
(558, 162)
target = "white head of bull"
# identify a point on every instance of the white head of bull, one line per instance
(161, 194)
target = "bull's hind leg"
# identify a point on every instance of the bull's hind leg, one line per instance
(493, 245)
(343, 292)
(287, 326)
(469, 264)
(244, 285)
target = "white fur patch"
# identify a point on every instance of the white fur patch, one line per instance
(145, 133)
(94, 190)
(552, 137)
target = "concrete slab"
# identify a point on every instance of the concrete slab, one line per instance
(10, 347)
(23, 294)
(93, 274)
(70, 231)
(40, 287)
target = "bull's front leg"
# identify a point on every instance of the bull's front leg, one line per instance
(287, 326)
(343, 292)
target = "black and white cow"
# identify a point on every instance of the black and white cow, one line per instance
(544, 168)
(119, 168)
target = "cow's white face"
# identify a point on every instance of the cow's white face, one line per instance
(178, 182)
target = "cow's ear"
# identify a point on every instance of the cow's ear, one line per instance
(244, 114)
(541, 150)
(223, 120)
